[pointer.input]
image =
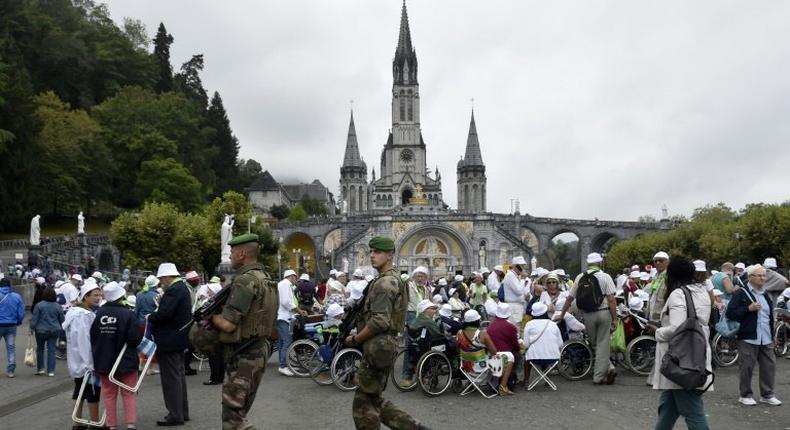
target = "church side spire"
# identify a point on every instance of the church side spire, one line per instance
(473, 157)
(352, 157)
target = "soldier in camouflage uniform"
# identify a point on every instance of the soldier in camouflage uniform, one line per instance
(247, 319)
(383, 316)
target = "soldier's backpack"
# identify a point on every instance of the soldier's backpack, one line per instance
(588, 294)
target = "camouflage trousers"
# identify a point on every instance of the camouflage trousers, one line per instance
(243, 375)
(370, 410)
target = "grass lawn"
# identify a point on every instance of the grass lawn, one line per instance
(60, 227)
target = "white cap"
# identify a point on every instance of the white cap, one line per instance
(215, 288)
(97, 275)
(662, 255)
(740, 265)
(77, 277)
(503, 310)
(484, 270)
(490, 306)
(471, 316)
(41, 280)
(151, 281)
(426, 304)
(167, 269)
(518, 260)
(539, 309)
(112, 291)
(442, 281)
(636, 304)
(451, 292)
(420, 269)
(644, 276)
(644, 295)
(437, 298)
(770, 263)
(131, 300)
(499, 267)
(699, 266)
(339, 273)
(305, 277)
(332, 272)
(635, 274)
(191, 275)
(288, 273)
(593, 258)
(358, 273)
(635, 267)
(446, 310)
(717, 293)
(459, 278)
(334, 310)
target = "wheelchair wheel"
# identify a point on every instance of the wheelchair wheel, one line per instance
(725, 350)
(641, 355)
(320, 371)
(434, 373)
(344, 369)
(61, 352)
(576, 360)
(300, 354)
(397, 375)
(781, 339)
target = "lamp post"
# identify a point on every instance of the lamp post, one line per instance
(297, 252)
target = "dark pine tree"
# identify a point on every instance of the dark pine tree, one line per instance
(162, 43)
(188, 81)
(225, 165)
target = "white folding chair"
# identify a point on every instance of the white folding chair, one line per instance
(478, 381)
(85, 421)
(147, 347)
(543, 375)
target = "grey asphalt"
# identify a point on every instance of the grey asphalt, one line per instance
(293, 403)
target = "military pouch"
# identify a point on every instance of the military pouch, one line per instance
(204, 337)
(380, 351)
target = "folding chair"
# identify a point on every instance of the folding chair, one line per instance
(84, 421)
(542, 375)
(478, 381)
(147, 347)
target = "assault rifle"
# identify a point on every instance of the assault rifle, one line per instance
(355, 313)
(211, 307)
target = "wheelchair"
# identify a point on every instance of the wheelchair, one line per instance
(432, 361)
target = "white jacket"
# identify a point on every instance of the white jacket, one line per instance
(672, 316)
(78, 340)
(544, 346)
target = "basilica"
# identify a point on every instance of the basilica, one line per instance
(405, 201)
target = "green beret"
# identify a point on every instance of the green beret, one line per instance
(242, 239)
(382, 243)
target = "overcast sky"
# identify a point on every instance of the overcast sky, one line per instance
(584, 109)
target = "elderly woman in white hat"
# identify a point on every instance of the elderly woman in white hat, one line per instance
(425, 328)
(516, 292)
(441, 290)
(448, 324)
(478, 292)
(455, 301)
(542, 338)
(336, 290)
(475, 346)
(418, 291)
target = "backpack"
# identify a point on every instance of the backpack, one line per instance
(500, 293)
(588, 294)
(306, 293)
(685, 362)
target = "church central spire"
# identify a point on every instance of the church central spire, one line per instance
(404, 65)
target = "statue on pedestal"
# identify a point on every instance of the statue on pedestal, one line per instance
(35, 231)
(226, 232)
(80, 223)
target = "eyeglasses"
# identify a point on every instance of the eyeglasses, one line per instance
(660, 260)
(551, 282)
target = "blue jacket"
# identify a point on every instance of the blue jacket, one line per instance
(145, 304)
(174, 312)
(114, 326)
(738, 310)
(47, 317)
(12, 310)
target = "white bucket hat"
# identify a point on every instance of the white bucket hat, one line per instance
(503, 311)
(471, 316)
(446, 310)
(305, 277)
(420, 269)
(442, 282)
(484, 270)
(459, 278)
(87, 288)
(636, 304)
(77, 277)
(539, 309)
(358, 273)
(594, 258)
(699, 266)
(635, 274)
(167, 269)
(662, 255)
(518, 260)
(334, 310)
(152, 281)
(112, 291)
(437, 299)
(770, 263)
(499, 267)
(288, 273)
(426, 304)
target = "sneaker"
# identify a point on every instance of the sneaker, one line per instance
(51, 374)
(747, 401)
(285, 371)
(773, 401)
(40, 372)
(10, 374)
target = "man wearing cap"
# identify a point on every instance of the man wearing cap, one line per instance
(494, 279)
(657, 288)
(600, 322)
(247, 319)
(71, 291)
(383, 315)
(516, 292)
(418, 292)
(173, 313)
(285, 314)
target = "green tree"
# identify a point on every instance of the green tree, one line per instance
(297, 213)
(189, 83)
(226, 145)
(313, 206)
(280, 212)
(162, 43)
(249, 170)
(565, 255)
(166, 180)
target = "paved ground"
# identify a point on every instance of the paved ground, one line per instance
(37, 402)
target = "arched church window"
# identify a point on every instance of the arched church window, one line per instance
(410, 106)
(403, 109)
(361, 200)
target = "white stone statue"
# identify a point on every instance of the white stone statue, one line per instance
(35, 231)
(80, 223)
(226, 232)
(481, 256)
